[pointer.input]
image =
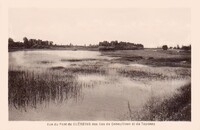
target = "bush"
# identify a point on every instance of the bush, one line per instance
(164, 47)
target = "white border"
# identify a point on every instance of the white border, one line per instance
(42, 125)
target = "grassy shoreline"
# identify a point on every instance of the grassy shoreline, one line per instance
(55, 48)
(152, 57)
(175, 108)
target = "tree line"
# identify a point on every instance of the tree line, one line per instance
(115, 45)
(105, 45)
(37, 43)
(187, 48)
(29, 43)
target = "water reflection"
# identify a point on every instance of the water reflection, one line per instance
(45, 59)
(82, 85)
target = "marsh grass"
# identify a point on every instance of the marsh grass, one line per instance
(183, 72)
(175, 108)
(85, 70)
(28, 89)
(45, 62)
(57, 68)
(139, 74)
(155, 73)
(169, 62)
(158, 58)
(76, 60)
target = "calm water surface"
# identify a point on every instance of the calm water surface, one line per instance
(100, 97)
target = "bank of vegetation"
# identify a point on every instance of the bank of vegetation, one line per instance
(102, 46)
(115, 45)
(175, 108)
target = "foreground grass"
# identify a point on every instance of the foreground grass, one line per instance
(175, 108)
(30, 89)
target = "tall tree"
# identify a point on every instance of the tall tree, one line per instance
(10, 40)
(178, 47)
(26, 42)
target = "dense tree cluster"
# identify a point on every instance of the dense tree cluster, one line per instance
(186, 48)
(13, 44)
(29, 43)
(164, 47)
(115, 45)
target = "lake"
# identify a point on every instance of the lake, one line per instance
(85, 85)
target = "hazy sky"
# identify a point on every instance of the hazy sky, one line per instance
(151, 27)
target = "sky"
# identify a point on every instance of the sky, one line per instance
(151, 27)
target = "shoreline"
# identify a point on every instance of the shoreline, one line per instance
(54, 48)
(147, 56)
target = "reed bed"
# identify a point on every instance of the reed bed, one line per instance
(28, 89)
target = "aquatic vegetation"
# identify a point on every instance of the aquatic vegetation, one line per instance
(77, 60)
(135, 74)
(30, 89)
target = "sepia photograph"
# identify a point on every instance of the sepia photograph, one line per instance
(99, 64)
